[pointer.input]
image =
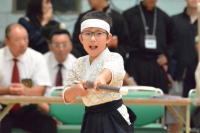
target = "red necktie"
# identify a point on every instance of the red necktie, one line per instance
(15, 79)
(59, 76)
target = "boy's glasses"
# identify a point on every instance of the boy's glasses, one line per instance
(60, 45)
(97, 34)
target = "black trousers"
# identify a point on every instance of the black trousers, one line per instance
(146, 71)
(28, 118)
(189, 80)
(105, 118)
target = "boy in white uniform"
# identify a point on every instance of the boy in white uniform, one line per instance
(105, 112)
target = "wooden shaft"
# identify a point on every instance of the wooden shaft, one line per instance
(90, 84)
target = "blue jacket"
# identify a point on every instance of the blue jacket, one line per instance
(36, 40)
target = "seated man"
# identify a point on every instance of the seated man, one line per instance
(53, 25)
(59, 60)
(23, 71)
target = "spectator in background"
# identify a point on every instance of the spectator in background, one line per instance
(153, 44)
(59, 57)
(38, 14)
(52, 25)
(23, 71)
(186, 56)
(120, 40)
(186, 30)
(59, 61)
(49, 27)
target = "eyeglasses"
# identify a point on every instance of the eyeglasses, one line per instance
(19, 41)
(60, 45)
(97, 34)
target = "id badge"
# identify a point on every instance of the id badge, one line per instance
(150, 42)
(27, 82)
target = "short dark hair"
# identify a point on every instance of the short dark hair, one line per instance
(34, 9)
(49, 27)
(58, 32)
(97, 15)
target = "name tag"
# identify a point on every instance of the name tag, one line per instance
(27, 82)
(150, 42)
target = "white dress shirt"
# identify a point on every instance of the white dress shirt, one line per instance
(31, 65)
(53, 67)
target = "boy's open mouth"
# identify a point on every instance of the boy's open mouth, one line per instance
(93, 47)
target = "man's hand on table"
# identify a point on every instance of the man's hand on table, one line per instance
(16, 89)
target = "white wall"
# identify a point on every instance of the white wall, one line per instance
(171, 7)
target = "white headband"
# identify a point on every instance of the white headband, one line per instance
(95, 23)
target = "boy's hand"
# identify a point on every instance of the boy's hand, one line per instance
(104, 78)
(80, 90)
(99, 80)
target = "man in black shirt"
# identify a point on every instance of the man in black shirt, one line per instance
(186, 30)
(186, 56)
(121, 39)
(153, 44)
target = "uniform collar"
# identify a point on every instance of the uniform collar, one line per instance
(91, 67)
(101, 56)
(104, 9)
(187, 16)
(145, 9)
(104, 53)
(9, 55)
(184, 12)
(54, 63)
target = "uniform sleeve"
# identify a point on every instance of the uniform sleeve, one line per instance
(133, 23)
(122, 33)
(115, 64)
(71, 78)
(172, 44)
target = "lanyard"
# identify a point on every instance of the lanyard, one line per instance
(144, 21)
(108, 11)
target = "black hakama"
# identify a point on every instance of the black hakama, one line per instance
(105, 118)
